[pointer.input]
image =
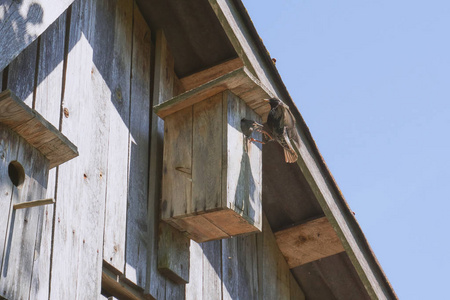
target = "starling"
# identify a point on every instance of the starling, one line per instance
(248, 126)
(282, 124)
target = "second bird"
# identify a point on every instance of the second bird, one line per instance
(281, 123)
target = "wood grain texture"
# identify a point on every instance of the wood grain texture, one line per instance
(34, 203)
(192, 81)
(241, 82)
(295, 290)
(173, 259)
(23, 22)
(35, 129)
(162, 87)
(194, 289)
(80, 208)
(119, 18)
(207, 154)
(275, 268)
(199, 228)
(22, 232)
(9, 143)
(48, 103)
(164, 77)
(177, 170)
(21, 74)
(308, 242)
(212, 270)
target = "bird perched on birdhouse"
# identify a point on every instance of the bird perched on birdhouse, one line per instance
(281, 123)
(248, 127)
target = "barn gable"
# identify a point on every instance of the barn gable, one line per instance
(99, 71)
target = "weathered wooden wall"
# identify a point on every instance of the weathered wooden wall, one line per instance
(94, 74)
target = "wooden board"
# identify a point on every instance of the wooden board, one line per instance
(194, 289)
(212, 270)
(48, 103)
(192, 81)
(119, 20)
(207, 154)
(241, 82)
(9, 143)
(22, 72)
(23, 225)
(308, 242)
(35, 130)
(163, 88)
(172, 245)
(177, 171)
(19, 29)
(80, 207)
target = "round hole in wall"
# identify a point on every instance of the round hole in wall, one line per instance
(16, 173)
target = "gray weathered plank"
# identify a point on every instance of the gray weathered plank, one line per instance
(8, 152)
(23, 21)
(207, 154)
(21, 74)
(194, 289)
(19, 253)
(137, 245)
(275, 268)
(162, 89)
(79, 212)
(212, 270)
(48, 104)
(173, 258)
(177, 172)
(119, 20)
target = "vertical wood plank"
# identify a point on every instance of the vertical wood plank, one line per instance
(48, 104)
(207, 154)
(19, 253)
(173, 255)
(177, 172)
(295, 290)
(212, 270)
(119, 20)
(8, 152)
(79, 211)
(162, 89)
(275, 268)
(21, 74)
(137, 245)
(194, 289)
(240, 279)
(253, 205)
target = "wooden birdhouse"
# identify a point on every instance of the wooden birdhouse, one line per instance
(212, 173)
(29, 147)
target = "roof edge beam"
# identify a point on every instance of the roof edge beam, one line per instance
(308, 242)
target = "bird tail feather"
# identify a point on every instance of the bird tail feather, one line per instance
(290, 156)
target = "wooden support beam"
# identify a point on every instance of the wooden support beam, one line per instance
(308, 242)
(41, 134)
(202, 77)
(115, 285)
(34, 203)
(240, 82)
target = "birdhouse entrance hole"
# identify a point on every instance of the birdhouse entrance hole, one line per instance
(16, 173)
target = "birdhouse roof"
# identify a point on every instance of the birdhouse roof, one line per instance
(29, 124)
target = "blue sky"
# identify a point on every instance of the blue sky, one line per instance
(372, 81)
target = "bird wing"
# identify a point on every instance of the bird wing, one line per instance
(290, 155)
(290, 125)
